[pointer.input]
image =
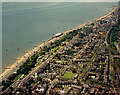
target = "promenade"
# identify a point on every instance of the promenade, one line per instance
(14, 67)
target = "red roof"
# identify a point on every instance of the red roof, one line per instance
(107, 18)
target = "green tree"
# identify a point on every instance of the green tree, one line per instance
(39, 78)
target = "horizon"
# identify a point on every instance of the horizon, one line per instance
(60, 1)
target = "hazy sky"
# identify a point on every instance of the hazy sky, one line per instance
(60, 0)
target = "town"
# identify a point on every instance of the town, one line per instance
(82, 61)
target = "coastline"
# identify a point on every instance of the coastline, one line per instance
(22, 59)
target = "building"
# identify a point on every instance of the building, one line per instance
(87, 30)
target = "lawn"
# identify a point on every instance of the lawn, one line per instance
(68, 75)
(17, 77)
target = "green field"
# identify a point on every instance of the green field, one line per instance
(68, 75)
(17, 77)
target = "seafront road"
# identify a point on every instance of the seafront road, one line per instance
(21, 60)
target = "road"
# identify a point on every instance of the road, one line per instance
(90, 63)
(39, 67)
(116, 89)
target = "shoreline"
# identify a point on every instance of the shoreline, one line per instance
(21, 60)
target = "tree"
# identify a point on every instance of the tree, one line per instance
(48, 67)
(92, 47)
(39, 78)
(32, 64)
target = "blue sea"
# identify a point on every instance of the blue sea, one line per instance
(25, 25)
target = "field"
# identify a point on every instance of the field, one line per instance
(68, 75)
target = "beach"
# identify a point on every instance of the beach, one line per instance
(15, 66)
(32, 26)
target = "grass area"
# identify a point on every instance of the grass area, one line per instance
(68, 75)
(55, 49)
(88, 81)
(105, 85)
(37, 64)
(17, 77)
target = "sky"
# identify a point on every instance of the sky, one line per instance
(60, 0)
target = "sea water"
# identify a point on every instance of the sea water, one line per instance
(25, 25)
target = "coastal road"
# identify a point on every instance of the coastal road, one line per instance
(24, 58)
(42, 65)
(13, 68)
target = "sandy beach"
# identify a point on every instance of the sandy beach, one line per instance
(15, 66)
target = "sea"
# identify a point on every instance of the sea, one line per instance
(27, 24)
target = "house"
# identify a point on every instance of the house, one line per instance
(57, 35)
(87, 30)
(40, 89)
